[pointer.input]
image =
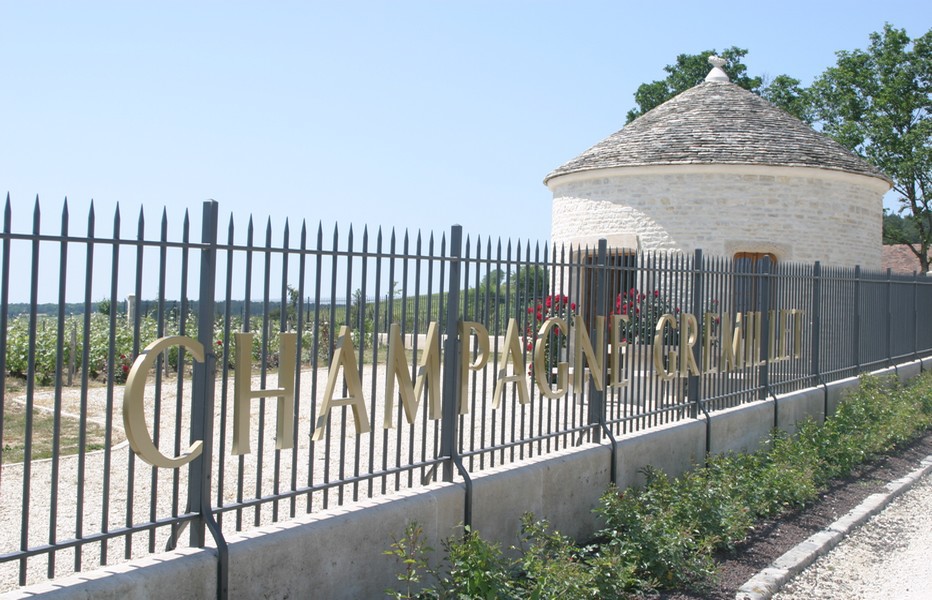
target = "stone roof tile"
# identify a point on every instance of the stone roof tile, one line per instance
(718, 122)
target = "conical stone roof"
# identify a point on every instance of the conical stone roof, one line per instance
(718, 123)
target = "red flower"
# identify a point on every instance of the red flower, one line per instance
(125, 368)
(572, 306)
(530, 346)
(656, 293)
(530, 310)
(549, 301)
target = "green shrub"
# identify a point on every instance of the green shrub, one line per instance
(665, 534)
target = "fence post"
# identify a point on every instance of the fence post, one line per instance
(815, 369)
(889, 317)
(693, 381)
(916, 317)
(451, 356)
(764, 304)
(202, 386)
(856, 315)
(597, 396)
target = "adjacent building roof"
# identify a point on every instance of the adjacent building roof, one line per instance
(899, 258)
(718, 122)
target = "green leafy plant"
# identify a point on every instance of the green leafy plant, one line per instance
(666, 534)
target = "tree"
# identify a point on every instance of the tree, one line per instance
(691, 70)
(898, 229)
(878, 103)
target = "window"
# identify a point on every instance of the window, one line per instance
(620, 275)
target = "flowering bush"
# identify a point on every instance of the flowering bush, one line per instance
(643, 311)
(555, 305)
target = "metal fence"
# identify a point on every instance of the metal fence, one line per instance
(74, 496)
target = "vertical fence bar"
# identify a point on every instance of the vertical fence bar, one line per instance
(915, 287)
(693, 381)
(30, 393)
(202, 390)
(59, 367)
(85, 362)
(815, 365)
(856, 318)
(450, 359)
(764, 319)
(4, 320)
(597, 396)
(889, 317)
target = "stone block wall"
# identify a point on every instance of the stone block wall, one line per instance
(798, 214)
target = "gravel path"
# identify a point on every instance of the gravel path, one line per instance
(86, 502)
(887, 558)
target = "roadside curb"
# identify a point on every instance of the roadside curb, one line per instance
(770, 580)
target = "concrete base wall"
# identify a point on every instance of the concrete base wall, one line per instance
(562, 488)
(741, 429)
(339, 553)
(798, 407)
(674, 448)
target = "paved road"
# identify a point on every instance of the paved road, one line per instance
(889, 557)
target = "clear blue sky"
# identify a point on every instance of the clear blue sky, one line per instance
(400, 114)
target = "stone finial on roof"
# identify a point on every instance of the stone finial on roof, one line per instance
(717, 73)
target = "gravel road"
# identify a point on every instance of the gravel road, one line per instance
(887, 558)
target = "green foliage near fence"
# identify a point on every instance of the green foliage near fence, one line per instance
(665, 535)
(97, 362)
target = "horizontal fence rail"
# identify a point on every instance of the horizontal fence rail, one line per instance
(438, 357)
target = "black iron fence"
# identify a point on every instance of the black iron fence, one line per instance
(446, 357)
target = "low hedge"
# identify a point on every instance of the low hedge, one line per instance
(666, 534)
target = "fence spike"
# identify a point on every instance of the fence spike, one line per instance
(141, 229)
(91, 218)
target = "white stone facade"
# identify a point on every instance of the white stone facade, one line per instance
(800, 214)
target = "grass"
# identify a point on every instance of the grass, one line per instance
(43, 433)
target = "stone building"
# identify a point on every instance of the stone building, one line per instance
(721, 169)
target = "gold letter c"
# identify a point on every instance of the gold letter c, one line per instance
(134, 418)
